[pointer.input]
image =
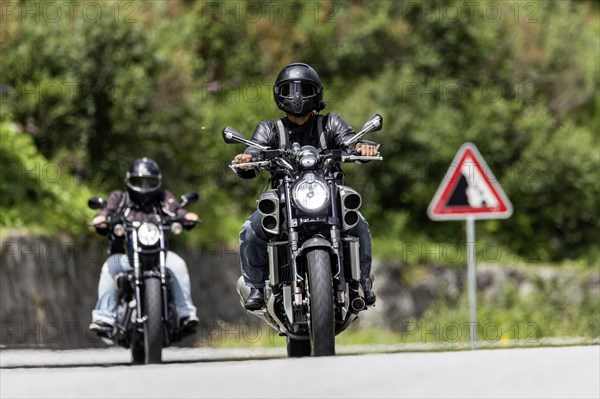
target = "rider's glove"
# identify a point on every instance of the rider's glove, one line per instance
(366, 149)
(189, 220)
(99, 223)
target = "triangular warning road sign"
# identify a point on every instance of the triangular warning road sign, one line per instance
(469, 190)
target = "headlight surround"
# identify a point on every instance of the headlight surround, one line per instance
(310, 194)
(148, 234)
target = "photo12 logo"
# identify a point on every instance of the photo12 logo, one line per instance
(469, 11)
(46, 335)
(454, 332)
(270, 11)
(71, 11)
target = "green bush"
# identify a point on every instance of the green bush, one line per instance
(36, 193)
(164, 80)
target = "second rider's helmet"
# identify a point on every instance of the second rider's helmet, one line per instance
(298, 90)
(143, 180)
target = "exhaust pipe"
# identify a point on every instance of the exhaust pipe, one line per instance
(357, 304)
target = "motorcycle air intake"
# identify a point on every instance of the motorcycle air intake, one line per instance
(268, 207)
(350, 200)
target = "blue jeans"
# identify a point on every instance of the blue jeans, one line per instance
(108, 296)
(253, 250)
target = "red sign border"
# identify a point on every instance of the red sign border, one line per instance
(436, 210)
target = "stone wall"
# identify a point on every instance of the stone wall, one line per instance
(406, 293)
(48, 287)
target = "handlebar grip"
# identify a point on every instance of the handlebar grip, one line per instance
(253, 164)
(352, 158)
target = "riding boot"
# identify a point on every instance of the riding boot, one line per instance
(256, 299)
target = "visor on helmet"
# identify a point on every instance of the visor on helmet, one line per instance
(305, 89)
(143, 184)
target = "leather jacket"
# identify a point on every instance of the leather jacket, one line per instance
(334, 128)
(119, 201)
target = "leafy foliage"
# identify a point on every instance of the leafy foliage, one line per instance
(162, 78)
(47, 190)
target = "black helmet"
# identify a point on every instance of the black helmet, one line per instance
(143, 180)
(298, 90)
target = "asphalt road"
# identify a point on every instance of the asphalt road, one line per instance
(524, 372)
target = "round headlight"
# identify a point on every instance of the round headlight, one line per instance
(311, 194)
(148, 234)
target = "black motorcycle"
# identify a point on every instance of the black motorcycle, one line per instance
(313, 292)
(147, 319)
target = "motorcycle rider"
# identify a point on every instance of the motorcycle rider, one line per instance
(298, 92)
(142, 199)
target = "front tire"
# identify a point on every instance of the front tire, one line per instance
(153, 326)
(138, 355)
(322, 326)
(298, 347)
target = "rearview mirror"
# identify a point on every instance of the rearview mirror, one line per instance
(189, 198)
(96, 203)
(374, 124)
(232, 136)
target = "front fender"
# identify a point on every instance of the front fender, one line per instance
(315, 242)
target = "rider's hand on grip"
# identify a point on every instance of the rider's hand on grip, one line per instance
(366, 149)
(189, 220)
(99, 223)
(243, 158)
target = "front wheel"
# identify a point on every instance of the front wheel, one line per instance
(153, 325)
(138, 355)
(298, 347)
(322, 329)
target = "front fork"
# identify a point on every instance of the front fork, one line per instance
(163, 283)
(137, 274)
(339, 280)
(293, 241)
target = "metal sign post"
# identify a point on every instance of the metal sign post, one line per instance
(472, 280)
(469, 192)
